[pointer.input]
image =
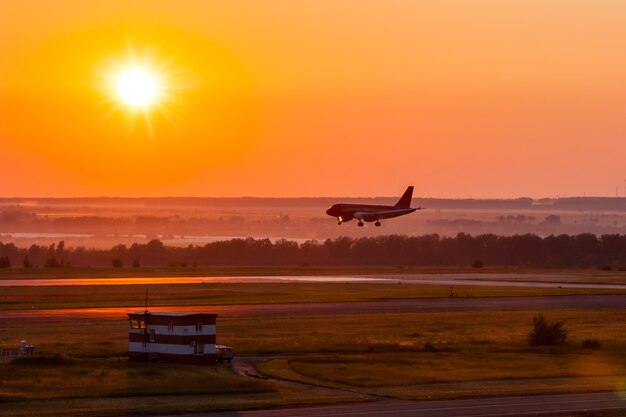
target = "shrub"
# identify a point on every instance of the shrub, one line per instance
(591, 344)
(547, 334)
(477, 264)
(117, 263)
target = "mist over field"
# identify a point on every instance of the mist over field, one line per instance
(104, 222)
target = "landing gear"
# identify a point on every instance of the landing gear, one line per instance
(360, 223)
(377, 223)
(339, 220)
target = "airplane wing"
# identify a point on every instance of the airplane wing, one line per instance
(370, 217)
(391, 213)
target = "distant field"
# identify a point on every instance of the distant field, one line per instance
(79, 272)
(12, 298)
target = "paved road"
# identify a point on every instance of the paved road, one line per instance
(390, 306)
(541, 405)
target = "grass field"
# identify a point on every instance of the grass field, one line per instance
(109, 387)
(472, 331)
(248, 293)
(57, 377)
(443, 375)
(402, 355)
(109, 272)
(452, 355)
(213, 271)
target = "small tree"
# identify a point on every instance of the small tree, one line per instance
(545, 333)
(5, 262)
(117, 263)
(136, 263)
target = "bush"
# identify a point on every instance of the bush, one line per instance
(136, 263)
(477, 264)
(547, 334)
(591, 344)
(117, 263)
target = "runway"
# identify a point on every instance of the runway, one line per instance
(418, 305)
(447, 279)
(537, 405)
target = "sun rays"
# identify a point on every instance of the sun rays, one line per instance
(140, 85)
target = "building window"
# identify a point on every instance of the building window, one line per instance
(199, 326)
(152, 335)
(137, 324)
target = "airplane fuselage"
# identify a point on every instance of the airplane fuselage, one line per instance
(366, 212)
(344, 212)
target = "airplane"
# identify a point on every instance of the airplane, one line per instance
(345, 212)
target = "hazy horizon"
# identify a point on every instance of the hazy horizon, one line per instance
(351, 197)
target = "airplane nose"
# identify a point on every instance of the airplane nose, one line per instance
(330, 212)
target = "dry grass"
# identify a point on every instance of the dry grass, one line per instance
(458, 331)
(109, 387)
(117, 377)
(212, 271)
(452, 355)
(413, 375)
(349, 333)
(12, 298)
(80, 406)
(468, 354)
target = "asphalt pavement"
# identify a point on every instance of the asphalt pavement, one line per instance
(537, 405)
(389, 306)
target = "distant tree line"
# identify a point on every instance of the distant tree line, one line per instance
(583, 250)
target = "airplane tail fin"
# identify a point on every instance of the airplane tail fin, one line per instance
(405, 200)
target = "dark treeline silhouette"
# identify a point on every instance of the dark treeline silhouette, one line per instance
(583, 250)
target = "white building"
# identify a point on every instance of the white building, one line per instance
(180, 337)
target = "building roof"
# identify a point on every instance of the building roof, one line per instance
(169, 313)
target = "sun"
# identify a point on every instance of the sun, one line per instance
(141, 86)
(138, 87)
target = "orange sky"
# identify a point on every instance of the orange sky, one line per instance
(307, 98)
